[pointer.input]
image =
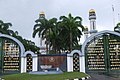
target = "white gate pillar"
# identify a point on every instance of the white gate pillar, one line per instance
(70, 61)
(24, 61)
(82, 63)
(35, 63)
(23, 64)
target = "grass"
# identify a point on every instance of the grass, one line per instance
(25, 76)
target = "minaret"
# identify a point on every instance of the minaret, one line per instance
(86, 33)
(41, 16)
(42, 42)
(92, 18)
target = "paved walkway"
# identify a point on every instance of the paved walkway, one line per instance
(101, 77)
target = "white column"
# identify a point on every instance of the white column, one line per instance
(69, 64)
(35, 64)
(82, 64)
(23, 64)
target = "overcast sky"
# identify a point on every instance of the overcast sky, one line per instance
(23, 13)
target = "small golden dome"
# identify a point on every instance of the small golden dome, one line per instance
(92, 10)
(42, 12)
(86, 27)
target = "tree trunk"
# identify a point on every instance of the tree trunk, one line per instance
(70, 41)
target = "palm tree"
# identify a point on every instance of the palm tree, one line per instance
(117, 28)
(40, 27)
(53, 34)
(48, 30)
(71, 25)
(60, 35)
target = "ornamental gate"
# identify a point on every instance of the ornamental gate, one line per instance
(9, 56)
(29, 63)
(102, 54)
(0, 56)
(76, 63)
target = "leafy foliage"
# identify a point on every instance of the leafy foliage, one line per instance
(62, 35)
(28, 44)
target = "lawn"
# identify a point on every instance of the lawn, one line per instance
(25, 76)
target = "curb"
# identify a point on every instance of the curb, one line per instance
(2, 79)
(84, 78)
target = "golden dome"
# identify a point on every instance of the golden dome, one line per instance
(86, 27)
(42, 12)
(92, 10)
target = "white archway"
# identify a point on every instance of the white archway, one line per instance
(22, 49)
(70, 61)
(75, 51)
(34, 61)
(30, 52)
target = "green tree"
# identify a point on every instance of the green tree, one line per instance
(71, 30)
(62, 35)
(41, 28)
(46, 29)
(4, 28)
(54, 34)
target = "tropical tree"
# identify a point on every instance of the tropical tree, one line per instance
(29, 45)
(41, 28)
(54, 34)
(117, 28)
(46, 29)
(62, 35)
(71, 30)
(4, 28)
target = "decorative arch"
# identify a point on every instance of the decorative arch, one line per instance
(30, 52)
(74, 51)
(95, 35)
(18, 62)
(22, 49)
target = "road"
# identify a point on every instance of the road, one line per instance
(101, 77)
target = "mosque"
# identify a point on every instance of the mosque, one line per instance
(100, 53)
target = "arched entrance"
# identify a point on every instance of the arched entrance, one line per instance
(11, 50)
(102, 53)
(9, 56)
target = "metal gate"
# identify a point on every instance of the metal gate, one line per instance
(76, 62)
(9, 56)
(29, 63)
(102, 54)
(1, 56)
